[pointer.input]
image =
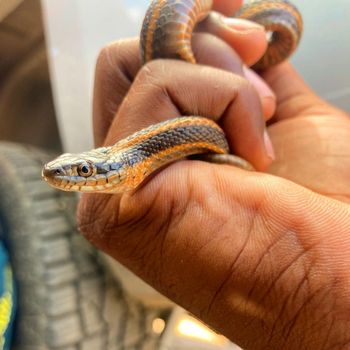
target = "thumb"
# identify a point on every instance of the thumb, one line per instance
(294, 96)
(250, 254)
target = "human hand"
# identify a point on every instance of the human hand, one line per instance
(260, 258)
(310, 137)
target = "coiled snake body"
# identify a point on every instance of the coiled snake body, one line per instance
(166, 33)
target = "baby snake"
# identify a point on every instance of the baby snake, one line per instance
(166, 33)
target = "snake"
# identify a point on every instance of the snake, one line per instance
(166, 33)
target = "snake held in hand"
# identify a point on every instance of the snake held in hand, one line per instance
(166, 33)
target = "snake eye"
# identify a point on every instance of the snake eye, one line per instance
(85, 169)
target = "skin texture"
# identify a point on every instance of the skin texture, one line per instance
(261, 257)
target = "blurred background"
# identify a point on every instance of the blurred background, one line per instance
(68, 295)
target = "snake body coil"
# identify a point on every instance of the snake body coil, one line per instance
(168, 26)
(166, 33)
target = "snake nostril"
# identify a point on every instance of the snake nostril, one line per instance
(51, 173)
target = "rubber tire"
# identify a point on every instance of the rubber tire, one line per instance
(66, 299)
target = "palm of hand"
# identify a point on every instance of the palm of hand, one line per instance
(314, 151)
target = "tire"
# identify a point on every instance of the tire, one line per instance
(66, 299)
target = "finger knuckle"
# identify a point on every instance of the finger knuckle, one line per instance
(104, 57)
(119, 59)
(110, 54)
(151, 71)
(152, 81)
(242, 83)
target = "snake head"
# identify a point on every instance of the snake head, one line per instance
(85, 172)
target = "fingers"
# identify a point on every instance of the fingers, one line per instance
(235, 32)
(167, 89)
(116, 67)
(214, 52)
(119, 63)
(236, 249)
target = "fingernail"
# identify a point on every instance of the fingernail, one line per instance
(242, 25)
(268, 146)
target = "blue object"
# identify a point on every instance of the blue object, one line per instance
(7, 299)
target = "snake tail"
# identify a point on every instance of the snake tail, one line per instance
(283, 24)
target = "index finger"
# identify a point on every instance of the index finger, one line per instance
(119, 63)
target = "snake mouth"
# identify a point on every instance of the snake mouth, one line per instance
(58, 178)
(55, 177)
